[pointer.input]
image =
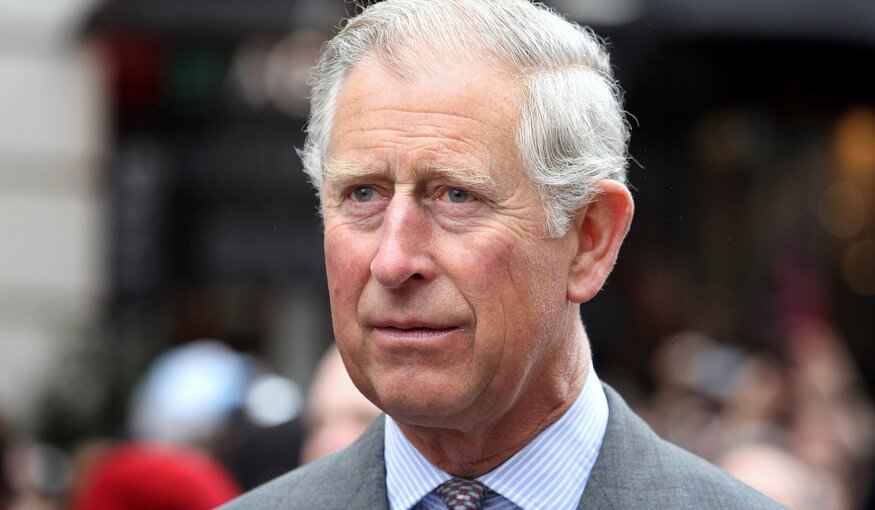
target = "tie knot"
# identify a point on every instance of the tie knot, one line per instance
(462, 494)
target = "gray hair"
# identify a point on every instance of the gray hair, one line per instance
(573, 131)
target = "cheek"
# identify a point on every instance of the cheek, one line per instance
(486, 273)
(519, 286)
(518, 268)
(546, 281)
(482, 270)
(347, 258)
(347, 269)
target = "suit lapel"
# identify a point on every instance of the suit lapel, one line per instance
(605, 488)
(366, 486)
(594, 497)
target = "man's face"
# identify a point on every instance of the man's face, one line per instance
(447, 299)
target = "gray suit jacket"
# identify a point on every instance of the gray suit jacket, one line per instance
(635, 469)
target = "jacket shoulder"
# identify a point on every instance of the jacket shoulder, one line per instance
(637, 469)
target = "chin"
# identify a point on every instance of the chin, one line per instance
(425, 407)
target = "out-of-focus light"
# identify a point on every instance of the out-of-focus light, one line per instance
(247, 71)
(855, 142)
(273, 400)
(287, 71)
(842, 210)
(725, 140)
(858, 267)
(268, 72)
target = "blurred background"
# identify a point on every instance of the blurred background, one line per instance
(161, 273)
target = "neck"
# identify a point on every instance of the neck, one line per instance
(544, 397)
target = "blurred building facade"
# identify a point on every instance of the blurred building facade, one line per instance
(53, 147)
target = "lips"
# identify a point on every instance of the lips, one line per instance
(414, 329)
(415, 332)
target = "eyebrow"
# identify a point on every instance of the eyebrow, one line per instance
(338, 172)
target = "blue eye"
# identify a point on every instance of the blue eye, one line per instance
(363, 194)
(458, 196)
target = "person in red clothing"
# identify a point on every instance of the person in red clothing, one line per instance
(137, 476)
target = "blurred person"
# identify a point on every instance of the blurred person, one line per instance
(696, 380)
(6, 492)
(189, 393)
(831, 419)
(206, 395)
(33, 476)
(256, 452)
(146, 476)
(179, 409)
(470, 158)
(758, 393)
(737, 392)
(782, 476)
(336, 413)
(810, 402)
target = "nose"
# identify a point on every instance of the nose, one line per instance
(403, 256)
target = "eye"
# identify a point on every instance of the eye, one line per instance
(363, 194)
(458, 195)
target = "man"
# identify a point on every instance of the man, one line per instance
(470, 158)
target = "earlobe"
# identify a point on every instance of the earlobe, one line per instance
(600, 228)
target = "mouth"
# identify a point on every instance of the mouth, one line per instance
(415, 332)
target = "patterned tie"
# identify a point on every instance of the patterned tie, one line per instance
(462, 494)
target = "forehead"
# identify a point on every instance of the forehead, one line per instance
(452, 112)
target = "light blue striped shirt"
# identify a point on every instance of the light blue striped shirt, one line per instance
(550, 473)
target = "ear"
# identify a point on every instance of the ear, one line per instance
(600, 229)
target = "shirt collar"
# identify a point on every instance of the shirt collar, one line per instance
(548, 473)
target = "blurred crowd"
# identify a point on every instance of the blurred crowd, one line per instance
(206, 423)
(794, 423)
